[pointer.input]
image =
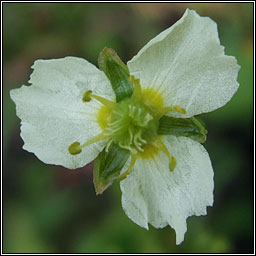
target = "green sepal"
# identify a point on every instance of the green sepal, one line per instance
(117, 73)
(108, 165)
(186, 127)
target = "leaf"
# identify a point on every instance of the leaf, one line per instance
(108, 166)
(117, 73)
(186, 127)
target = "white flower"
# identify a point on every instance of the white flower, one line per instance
(183, 69)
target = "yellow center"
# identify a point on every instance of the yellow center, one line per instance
(153, 98)
(104, 117)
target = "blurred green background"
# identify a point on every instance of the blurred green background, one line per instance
(50, 209)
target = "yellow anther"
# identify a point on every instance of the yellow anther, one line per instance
(87, 96)
(172, 159)
(172, 163)
(75, 148)
(179, 109)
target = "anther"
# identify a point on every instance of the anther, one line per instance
(75, 148)
(172, 159)
(87, 96)
(172, 163)
(179, 109)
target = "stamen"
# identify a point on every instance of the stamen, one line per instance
(164, 111)
(75, 148)
(97, 138)
(124, 175)
(179, 109)
(172, 163)
(172, 159)
(137, 88)
(87, 96)
(175, 108)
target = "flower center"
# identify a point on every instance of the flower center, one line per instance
(131, 124)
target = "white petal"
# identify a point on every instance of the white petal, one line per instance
(152, 194)
(187, 65)
(53, 114)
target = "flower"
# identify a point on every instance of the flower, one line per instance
(138, 122)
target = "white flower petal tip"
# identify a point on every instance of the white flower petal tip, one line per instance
(152, 194)
(187, 64)
(53, 114)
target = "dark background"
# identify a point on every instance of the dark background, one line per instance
(50, 209)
